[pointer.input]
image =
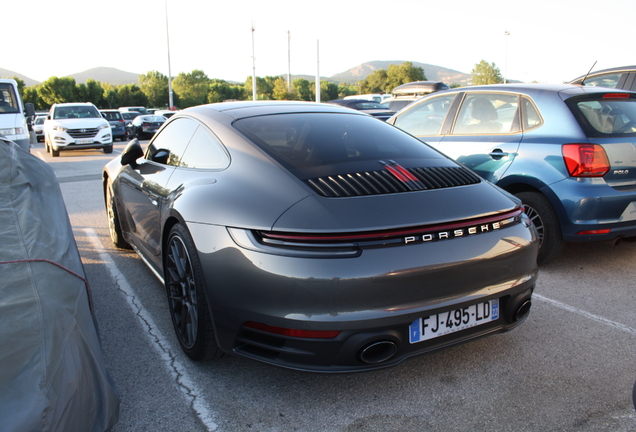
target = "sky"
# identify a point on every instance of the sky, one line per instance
(549, 41)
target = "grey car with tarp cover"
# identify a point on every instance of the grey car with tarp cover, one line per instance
(52, 371)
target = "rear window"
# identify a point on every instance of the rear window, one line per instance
(153, 118)
(611, 115)
(317, 144)
(112, 115)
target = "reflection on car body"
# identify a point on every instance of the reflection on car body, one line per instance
(315, 237)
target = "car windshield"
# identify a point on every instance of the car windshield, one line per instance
(76, 112)
(611, 115)
(8, 100)
(316, 144)
(40, 120)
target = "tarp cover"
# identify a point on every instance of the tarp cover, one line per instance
(52, 373)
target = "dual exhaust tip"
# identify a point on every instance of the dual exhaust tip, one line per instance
(382, 350)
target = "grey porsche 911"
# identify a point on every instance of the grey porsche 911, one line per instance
(315, 237)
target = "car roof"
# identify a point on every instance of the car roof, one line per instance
(243, 109)
(604, 71)
(530, 89)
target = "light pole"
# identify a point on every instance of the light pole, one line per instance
(318, 71)
(506, 34)
(254, 96)
(170, 102)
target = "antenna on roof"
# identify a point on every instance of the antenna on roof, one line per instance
(588, 72)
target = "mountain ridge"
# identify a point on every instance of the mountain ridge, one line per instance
(115, 76)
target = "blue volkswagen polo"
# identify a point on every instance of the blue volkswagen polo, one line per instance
(568, 152)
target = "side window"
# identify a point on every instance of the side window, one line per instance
(167, 147)
(204, 152)
(426, 118)
(488, 113)
(608, 80)
(531, 117)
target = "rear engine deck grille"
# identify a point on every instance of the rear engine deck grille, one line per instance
(383, 182)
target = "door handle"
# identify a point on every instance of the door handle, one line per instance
(154, 199)
(497, 154)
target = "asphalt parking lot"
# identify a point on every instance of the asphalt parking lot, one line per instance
(570, 367)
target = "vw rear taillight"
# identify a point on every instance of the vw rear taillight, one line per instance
(585, 160)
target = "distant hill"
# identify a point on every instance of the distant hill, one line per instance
(6, 73)
(433, 73)
(107, 75)
(117, 77)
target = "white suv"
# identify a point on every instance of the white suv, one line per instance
(74, 126)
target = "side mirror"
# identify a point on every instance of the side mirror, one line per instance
(131, 153)
(29, 109)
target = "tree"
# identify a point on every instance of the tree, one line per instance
(192, 88)
(131, 95)
(264, 87)
(347, 90)
(280, 90)
(220, 90)
(328, 91)
(92, 92)
(301, 89)
(485, 73)
(155, 86)
(58, 90)
(401, 74)
(376, 82)
(30, 95)
(111, 96)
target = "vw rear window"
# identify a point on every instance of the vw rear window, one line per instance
(612, 115)
(317, 143)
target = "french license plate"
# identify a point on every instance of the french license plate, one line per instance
(453, 321)
(84, 141)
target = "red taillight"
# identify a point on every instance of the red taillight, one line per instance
(307, 334)
(616, 96)
(592, 232)
(585, 160)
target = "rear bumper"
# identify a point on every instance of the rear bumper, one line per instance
(590, 205)
(370, 299)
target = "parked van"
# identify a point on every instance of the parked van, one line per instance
(13, 114)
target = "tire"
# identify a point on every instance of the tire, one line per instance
(114, 227)
(54, 153)
(544, 218)
(187, 300)
(108, 149)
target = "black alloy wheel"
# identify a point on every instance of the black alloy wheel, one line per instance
(186, 297)
(545, 220)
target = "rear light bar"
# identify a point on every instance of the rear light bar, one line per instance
(616, 96)
(502, 218)
(585, 160)
(307, 334)
(592, 232)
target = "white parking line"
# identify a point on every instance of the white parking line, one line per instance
(158, 341)
(586, 314)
